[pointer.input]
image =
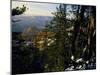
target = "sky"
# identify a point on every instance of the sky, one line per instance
(36, 9)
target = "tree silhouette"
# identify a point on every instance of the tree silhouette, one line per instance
(18, 10)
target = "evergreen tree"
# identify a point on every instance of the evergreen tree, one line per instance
(56, 53)
(18, 10)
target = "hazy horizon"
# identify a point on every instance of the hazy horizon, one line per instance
(37, 14)
(29, 21)
(35, 8)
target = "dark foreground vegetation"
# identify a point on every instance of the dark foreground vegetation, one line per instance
(66, 43)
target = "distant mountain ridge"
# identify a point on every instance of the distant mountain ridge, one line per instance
(29, 21)
(30, 31)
